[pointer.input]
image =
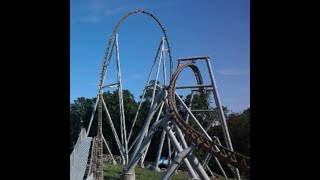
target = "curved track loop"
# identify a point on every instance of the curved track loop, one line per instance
(104, 66)
(222, 153)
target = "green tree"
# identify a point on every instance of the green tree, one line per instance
(80, 109)
(112, 103)
(239, 130)
(239, 127)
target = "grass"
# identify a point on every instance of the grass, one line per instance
(113, 172)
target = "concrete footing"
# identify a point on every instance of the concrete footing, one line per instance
(128, 176)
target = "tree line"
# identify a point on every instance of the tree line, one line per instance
(82, 108)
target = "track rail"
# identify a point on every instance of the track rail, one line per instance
(222, 153)
(106, 59)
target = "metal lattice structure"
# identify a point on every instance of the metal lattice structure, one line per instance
(79, 156)
(183, 138)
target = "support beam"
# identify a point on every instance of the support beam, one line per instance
(129, 169)
(144, 92)
(194, 118)
(146, 151)
(105, 64)
(194, 86)
(159, 99)
(169, 150)
(105, 142)
(92, 115)
(163, 135)
(180, 149)
(164, 62)
(202, 110)
(191, 157)
(221, 112)
(156, 80)
(176, 162)
(111, 85)
(189, 107)
(193, 58)
(90, 165)
(121, 106)
(114, 131)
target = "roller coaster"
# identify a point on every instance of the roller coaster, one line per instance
(164, 115)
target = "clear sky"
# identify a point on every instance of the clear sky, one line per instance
(216, 28)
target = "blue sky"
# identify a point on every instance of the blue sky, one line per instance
(216, 28)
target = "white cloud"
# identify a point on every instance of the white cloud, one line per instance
(90, 19)
(114, 11)
(97, 11)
